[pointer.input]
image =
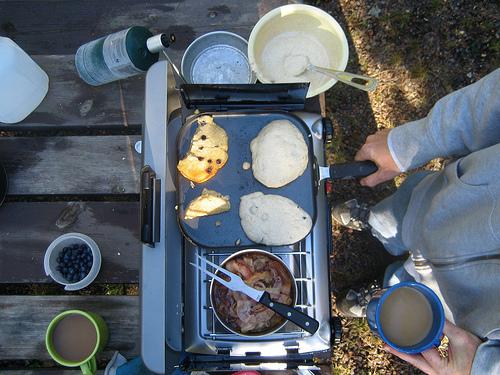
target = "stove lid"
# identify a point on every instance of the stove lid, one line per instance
(222, 97)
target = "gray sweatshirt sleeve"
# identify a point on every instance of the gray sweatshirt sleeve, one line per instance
(460, 123)
(487, 358)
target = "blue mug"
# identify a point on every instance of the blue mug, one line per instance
(432, 339)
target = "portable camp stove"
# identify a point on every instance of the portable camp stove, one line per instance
(179, 329)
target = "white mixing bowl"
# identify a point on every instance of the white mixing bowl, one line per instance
(300, 20)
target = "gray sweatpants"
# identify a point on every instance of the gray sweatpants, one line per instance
(386, 220)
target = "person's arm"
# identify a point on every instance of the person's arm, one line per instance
(487, 359)
(463, 349)
(460, 123)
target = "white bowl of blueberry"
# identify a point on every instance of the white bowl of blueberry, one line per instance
(73, 260)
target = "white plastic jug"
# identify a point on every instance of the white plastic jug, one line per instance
(23, 84)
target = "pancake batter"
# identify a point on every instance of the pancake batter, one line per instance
(285, 58)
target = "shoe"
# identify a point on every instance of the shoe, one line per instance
(352, 214)
(355, 302)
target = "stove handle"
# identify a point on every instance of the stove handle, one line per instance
(327, 130)
(336, 327)
(150, 206)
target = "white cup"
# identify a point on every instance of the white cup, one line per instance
(55, 248)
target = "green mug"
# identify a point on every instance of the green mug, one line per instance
(89, 364)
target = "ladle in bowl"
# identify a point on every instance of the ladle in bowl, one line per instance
(298, 64)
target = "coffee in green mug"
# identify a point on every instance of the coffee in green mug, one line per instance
(74, 338)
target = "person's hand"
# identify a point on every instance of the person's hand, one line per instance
(377, 150)
(462, 348)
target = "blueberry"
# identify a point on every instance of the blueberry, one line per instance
(65, 249)
(82, 275)
(59, 268)
(71, 271)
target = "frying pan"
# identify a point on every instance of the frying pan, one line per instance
(224, 230)
(238, 254)
(3, 184)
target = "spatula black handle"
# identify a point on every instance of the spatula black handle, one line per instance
(352, 170)
(304, 321)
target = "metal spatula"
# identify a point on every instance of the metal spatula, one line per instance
(236, 284)
(296, 65)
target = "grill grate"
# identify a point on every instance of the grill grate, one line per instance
(298, 258)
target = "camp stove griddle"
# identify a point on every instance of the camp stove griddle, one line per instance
(179, 329)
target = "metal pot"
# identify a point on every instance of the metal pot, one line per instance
(217, 57)
(271, 330)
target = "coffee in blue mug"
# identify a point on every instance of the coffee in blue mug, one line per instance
(408, 317)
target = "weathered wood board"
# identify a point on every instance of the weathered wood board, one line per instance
(55, 29)
(72, 104)
(27, 229)
(24, 320)
(71, 165)
(59, 27)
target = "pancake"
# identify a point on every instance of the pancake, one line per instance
(279, 154)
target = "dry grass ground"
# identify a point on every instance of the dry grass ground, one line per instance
(419, 51)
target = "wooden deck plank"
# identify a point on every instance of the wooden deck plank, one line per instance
(24, 320)
(71, 165)
(54, 29)
(71, 103)
(61, 26)
(27, 228)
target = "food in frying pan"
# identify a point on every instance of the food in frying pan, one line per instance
(273, 219)
(208, 203)
(207, 153)
(279, 154)
(241, 313)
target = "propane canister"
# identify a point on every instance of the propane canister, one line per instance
(119, 55)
